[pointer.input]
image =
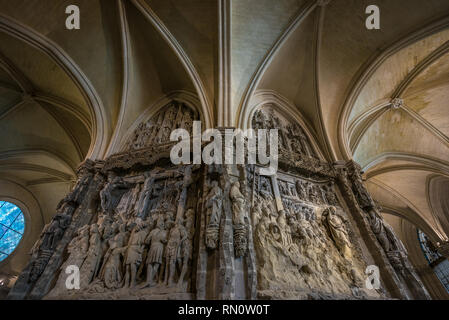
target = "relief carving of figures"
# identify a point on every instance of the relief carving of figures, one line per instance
(329, 195)
(91, 264)
(301, 190)
(157, 130)
(136, 246)
(157, 238)
(339, 233)
(176, 236)
(112, 272)
(112, 192)
(54, 231)
(213, 205)
(75, 197)
(187, 244)
(361, 193)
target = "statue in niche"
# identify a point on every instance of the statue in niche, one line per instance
(238, 220)
(338, 231)
(112, 192)
(363, 197)
(378, 228)
(187, 244)
(91, 264)
(213, 205)
(238, 204)
(111, 273)
(134, 252)
(157, 238)
(176, 236)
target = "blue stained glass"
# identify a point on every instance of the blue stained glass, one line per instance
(9, 241)
(8, 213)
(12, 225)
(18, 224)
(3, 229)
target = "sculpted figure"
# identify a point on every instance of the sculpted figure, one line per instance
(187, 121)
(285, 231)
(111, 273)
(213, 206)
(55, 231)
(363, 197)
(81, 186)
(238, 204)
(90, 266)
(337, 229)
(112, 192)
(134, 142)
(377, 226)
(214, 203)
(134, 253)
(173, 251)
(156, 238)
(329, 194)
(187, 244)
(301, 190)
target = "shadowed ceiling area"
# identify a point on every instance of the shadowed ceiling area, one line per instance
(377, 96)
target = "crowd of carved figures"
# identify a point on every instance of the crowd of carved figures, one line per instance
(141, 236)
(135, 223)
(293, 142)
(157, 130)
(311, 232)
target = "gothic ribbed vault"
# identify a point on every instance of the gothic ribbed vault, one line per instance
(378, 97)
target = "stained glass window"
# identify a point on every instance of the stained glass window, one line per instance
(437, 262)
(12, 225)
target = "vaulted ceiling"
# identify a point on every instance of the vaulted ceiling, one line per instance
(70, 94)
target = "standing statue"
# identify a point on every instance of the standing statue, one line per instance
(136, 246)
(156, 239)
(285, 231)
(213, 206)
(112, 192)
(111, 273)
(238, 204)
(238, 219)
(187, 244)
(338, 231)
(378, 228)
(173, 251)
(90, 266)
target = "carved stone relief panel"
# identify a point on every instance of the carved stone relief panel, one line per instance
(140, 241)
(305, 248)
(293, 142)
(157, 130)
